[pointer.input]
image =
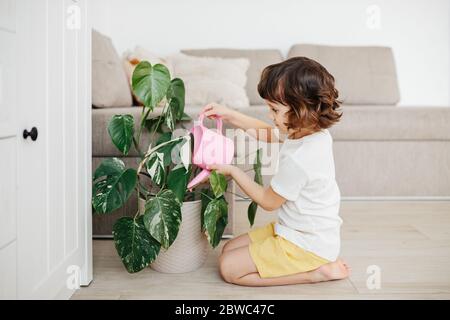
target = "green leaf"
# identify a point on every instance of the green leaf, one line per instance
(156, 168)
(257, 168)
(167, 149)
(162, 217)
(185, 152)
(177, 181)
(150, 83)
(113, 185)
(164, 137)
(206, 197)
(251, 211)
(161, 158)
(176, 95)
(170, 116)
(155, 124)
(218, 183)
(135, 246)
(215, 220)
(121, 130)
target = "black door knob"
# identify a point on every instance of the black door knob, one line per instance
(33, 133)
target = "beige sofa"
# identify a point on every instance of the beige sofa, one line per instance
(381, 150)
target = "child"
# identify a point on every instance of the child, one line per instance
(302, 246)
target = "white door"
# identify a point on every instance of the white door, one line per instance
(8, 151)
(45, 244)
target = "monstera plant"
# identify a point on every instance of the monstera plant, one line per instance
(162, 175)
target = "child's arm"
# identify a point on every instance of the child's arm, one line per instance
(266, 198)
(256, 128)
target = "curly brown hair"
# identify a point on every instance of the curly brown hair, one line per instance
(307, 88)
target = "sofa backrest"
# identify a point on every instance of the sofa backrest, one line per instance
(110, 86)
(363, 75)
(259, 59)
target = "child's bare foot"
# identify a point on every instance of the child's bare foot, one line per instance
(331, 271)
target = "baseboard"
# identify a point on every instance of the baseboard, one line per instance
(398, 198)
(101, 236)
(386, 198)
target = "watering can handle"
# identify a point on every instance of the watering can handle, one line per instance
(218, 122)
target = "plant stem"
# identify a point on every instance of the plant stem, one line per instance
(157, 124)
(163, 144)
(246, 198)
(205, 195)
(141, 125)
(145, 174)
(136, 145)
(161, 189)
(144, 189)
(138, 197)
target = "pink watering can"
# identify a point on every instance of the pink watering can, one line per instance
(210, 147)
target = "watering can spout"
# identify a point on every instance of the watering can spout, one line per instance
(199, 178)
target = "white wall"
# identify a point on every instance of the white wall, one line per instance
(417, 30)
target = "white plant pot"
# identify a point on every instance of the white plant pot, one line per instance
(189, 250)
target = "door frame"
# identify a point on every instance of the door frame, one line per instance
(86, 275)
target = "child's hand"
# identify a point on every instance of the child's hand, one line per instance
(225, 169)
(213, 109)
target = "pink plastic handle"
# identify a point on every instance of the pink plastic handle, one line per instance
(219, 122)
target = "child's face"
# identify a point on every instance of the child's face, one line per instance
(277, 113)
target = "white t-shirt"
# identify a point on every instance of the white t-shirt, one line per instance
(306, 178)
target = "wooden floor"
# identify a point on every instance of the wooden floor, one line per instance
(408, 241)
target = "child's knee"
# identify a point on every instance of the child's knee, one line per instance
(226, 267)
(227, 246)
(238, 242)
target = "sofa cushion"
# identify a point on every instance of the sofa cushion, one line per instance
(132, 57)
(364, 75)
(259, 59)
(393, 123)
(212, 79)
(357, 123)
(101, 142)
(110, 87)
(364, 122)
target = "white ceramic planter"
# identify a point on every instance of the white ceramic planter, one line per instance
(190, 248)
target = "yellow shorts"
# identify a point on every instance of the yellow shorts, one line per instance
(275, 256)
